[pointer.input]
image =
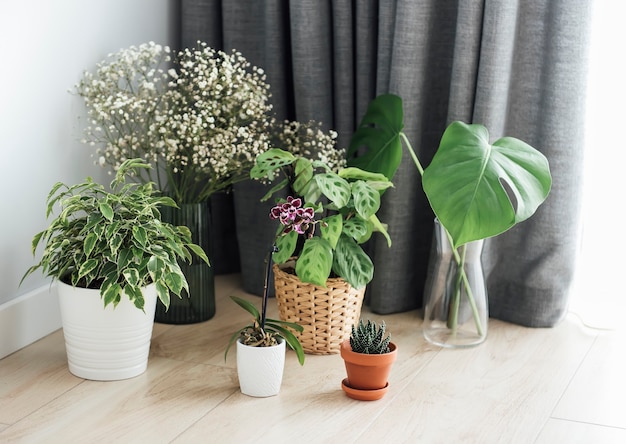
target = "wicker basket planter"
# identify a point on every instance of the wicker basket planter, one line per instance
(326, 314)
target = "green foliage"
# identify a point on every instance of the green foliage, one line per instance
(346, 201)
(369, 338)
(114, 241)
(465, 182)
(256, 336)
(376, 144)
(476, 189)
(315, 261)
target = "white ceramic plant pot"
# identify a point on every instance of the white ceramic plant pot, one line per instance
(260, 369)
(106, 344)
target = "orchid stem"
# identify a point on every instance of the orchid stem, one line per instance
(268, 271)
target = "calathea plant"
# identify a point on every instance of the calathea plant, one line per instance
(476, 189)
(326, 219)
(114, 240)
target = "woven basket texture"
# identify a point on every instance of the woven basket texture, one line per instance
(326, 314)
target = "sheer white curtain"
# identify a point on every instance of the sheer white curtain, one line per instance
(599, 293)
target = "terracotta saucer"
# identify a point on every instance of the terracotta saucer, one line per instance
(363, 395)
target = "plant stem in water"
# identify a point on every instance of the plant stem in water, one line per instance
(459, 260)
(453, 312)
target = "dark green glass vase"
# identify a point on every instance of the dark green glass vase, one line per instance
(199, 304)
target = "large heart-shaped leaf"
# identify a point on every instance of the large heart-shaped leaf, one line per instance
(375, 145)
(478, 190)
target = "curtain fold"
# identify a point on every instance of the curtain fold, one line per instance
(517, 67)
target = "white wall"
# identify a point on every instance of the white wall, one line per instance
(44, 47)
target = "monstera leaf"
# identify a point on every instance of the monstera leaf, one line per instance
(376, 145)
(478, 190)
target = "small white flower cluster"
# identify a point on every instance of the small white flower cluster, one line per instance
(219, 121)
(123, 100)
(202, 120)
(309, 140)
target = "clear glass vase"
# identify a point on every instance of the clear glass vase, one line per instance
(199, 304)
(456, 309)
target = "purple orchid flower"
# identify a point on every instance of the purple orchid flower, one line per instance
(293, 216)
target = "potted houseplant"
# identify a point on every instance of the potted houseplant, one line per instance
(476, 190)
(200, 116)
(308, 139)
(112, 257)
(319, 260)
(261, 348)
(368, 356)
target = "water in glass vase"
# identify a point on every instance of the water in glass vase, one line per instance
(455, 297)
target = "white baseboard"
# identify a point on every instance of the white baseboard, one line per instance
(28, 318)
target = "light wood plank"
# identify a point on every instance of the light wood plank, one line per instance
(205, 342)
(501, 391)
(311, 406)
(561, 431)
(597, 394)
(153, 407)
(33, 376)
(505, 390)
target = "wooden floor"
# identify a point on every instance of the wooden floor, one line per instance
(560, 385)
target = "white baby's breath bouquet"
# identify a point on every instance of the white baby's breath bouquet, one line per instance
(201, 117)
(309, 140)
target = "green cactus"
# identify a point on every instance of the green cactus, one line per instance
(369, 338)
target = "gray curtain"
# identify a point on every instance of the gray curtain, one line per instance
(518, 67)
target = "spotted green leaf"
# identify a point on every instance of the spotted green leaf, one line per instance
(335, 188)
(366, 199)
(330, 229)
(315, 261)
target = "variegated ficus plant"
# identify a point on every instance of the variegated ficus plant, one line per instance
(327, 217)
(114, 240)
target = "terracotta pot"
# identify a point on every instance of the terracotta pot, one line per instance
(367, 372)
